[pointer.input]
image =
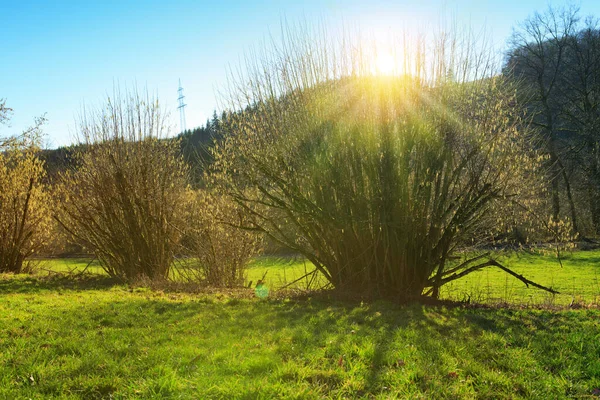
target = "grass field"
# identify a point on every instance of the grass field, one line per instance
(576, 277)
(91, 338)
(87, 339)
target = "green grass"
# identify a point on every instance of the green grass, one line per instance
(88, 337)
(284, 271)
(92, 339)
(280, 271)
(69, 265)
(577, 279)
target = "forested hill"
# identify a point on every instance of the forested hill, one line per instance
(195, 148)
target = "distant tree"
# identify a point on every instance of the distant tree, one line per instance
(4, 111)
(538, 56)
(556, 58)
(214, 122)
(196, 145)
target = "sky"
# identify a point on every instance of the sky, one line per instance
(57, 56)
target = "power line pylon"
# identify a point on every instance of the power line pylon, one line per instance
(181, 108)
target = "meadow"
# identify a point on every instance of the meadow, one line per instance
(381, 170)
(85, 336)
(576, 276)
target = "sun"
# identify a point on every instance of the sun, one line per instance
(385, 64)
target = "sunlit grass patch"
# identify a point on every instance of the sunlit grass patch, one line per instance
(576, 277)
(70, 265)
(115, 341)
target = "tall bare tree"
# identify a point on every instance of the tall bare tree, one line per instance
(538, 57)
(556, 55)
(581, 107)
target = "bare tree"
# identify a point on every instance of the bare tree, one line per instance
(557, 57)
(581, 107)
(538, 57)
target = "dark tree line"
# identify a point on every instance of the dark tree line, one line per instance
(556, 57)
(196, 143)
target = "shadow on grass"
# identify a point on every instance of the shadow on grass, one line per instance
(323, 344)
(36, 284)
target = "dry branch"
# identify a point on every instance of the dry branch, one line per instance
(494, 263)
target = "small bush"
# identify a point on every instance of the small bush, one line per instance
(219, 248)
(24, 213)
(23, 208)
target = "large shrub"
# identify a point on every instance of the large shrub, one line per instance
(378, 180)
(123, 198)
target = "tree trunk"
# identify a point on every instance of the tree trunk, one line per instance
(554, 184)
(594, 192)
(569, 197)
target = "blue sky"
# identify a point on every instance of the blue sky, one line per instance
(56, 56)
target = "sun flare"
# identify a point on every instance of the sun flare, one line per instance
(385, 64)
